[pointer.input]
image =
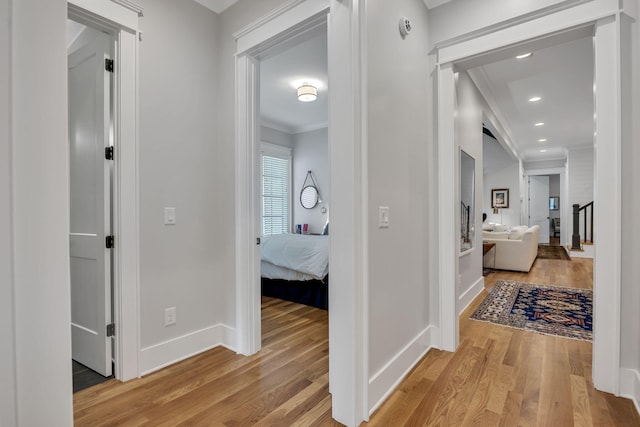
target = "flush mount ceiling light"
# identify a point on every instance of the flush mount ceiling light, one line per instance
(542, 140)
(535, 99)
(543, 151)
(524, 55)
(539, 124)
(307, 93)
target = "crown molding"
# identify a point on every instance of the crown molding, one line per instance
(130, 5)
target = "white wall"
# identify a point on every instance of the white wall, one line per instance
(187, 265)
(311, 153)
(277, 137)
(231, 20)
(470, 139)
(397, 116)
(580, 170)
(500, 171)
(466, 16)
(7, 327)
(39, 181)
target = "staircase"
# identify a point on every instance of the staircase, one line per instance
(582, 244)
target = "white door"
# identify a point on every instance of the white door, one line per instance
(539, 205)
(90, 211)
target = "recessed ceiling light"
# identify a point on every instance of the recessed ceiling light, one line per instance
(535, 99)
(543, 151)
(542, 140)
(539, 124)
(524, 55)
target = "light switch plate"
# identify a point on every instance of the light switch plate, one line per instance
(169, 216)
(383, 217)
(169, 316)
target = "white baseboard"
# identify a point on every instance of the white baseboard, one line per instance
(469, 295)
(166, 353)
(630, 386)
(385, 381)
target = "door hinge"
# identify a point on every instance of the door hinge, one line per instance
(257, 240)
(108, 65)
(111, 330)
(110, 242)
(108, 153)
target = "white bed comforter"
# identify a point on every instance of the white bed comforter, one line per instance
(303, 253)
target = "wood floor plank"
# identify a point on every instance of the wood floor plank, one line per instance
(498, 377)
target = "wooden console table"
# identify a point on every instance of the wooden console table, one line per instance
(486, 247)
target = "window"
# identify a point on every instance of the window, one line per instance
(276, 189)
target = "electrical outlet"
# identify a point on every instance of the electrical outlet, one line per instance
(169, 316)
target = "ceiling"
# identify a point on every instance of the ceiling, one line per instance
(219, 6)
(562, 76)
(280, 76)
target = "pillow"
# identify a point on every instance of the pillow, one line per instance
(487, 227)
(501, 227)
(516, 234)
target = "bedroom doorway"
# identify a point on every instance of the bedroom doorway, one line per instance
(294, 171)
(273, 33)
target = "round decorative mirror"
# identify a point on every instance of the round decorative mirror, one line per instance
(309, 197)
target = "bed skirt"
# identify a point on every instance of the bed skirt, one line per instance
(310, 292)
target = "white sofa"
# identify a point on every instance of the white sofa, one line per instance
(516, 247)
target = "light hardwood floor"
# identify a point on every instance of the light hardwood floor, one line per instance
(498, 377)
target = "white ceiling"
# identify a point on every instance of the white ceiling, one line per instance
(218, 6)
(280, 76)
(562, 76)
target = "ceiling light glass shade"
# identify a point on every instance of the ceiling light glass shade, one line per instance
(535, 99)
(524, 55)
(307, 93)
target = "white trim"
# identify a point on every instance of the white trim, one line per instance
(275, 150)
(630, 386)
(448, 260)
(167, 353)
(470, 294)
(248, 322)
(121, 20)
(607, 212)
(133, 6)
(281, 24)
(383, 383)
(546, 24)
(121, 15)
(607, 262)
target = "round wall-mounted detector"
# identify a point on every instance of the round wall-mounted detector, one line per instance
(405, 26)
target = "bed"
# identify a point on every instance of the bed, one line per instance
(295, 268)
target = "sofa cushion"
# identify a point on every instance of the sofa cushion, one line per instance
(494, 235)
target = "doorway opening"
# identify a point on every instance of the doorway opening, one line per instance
(294, 182)
(462, 56)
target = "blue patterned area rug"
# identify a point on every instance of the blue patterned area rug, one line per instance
(550, 310)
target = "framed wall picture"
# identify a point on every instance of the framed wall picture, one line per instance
(554, 203)
(500, 198)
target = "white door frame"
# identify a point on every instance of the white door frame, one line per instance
(120, 17)
(604, 16)
(564, 197)
(348, 334)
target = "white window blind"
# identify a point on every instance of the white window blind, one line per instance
(276, 180)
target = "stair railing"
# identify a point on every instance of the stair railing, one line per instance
(576, 239)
